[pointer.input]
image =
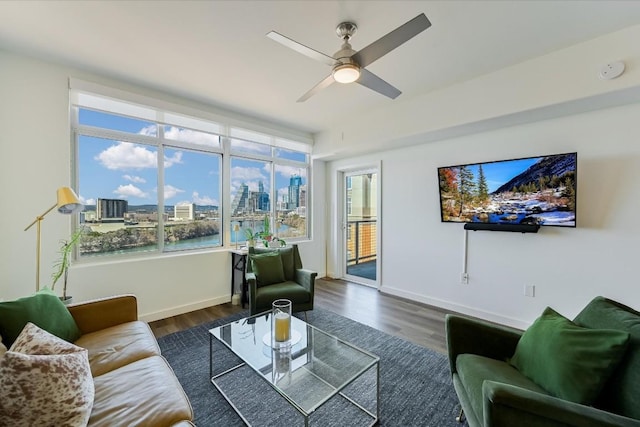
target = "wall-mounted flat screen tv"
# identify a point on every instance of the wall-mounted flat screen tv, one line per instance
(533, 190)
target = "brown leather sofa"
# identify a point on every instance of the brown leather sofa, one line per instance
(134, 384)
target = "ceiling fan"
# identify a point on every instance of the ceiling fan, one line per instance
(348, 66)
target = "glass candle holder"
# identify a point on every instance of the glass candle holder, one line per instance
(281, 321)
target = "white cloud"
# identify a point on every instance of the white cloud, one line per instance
(204, 200)
(170, 161)
(289, 171)
(87, 201)
(150, 130)
(253, 147)
(253, 186)
(247, 174)
(125, 156)
(195, 137)
(136, 179)
(130, 190)
(171, 191)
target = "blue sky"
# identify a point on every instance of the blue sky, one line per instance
(123, 170)
(498, 173)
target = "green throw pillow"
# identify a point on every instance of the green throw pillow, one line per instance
(288, 264)
(268, 268)
(43, 309)
(620, 393)
(568, 361)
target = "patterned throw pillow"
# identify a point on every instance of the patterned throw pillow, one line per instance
(45, 381)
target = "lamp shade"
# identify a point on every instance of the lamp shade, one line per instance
(68, 202)
(236, 227)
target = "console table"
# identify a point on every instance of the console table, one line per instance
(239, 264)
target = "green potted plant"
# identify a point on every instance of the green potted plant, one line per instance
(268, 238)
(251, 237)
(61, 265)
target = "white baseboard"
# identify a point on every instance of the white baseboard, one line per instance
(458, 308)
(182, 309)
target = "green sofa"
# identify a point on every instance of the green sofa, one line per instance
(271, 277)
(492, 392)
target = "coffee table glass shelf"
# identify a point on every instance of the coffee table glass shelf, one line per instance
(307, 373)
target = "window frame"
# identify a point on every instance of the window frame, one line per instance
(229, 131)
(275, 161)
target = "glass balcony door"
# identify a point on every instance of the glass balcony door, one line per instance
(361, 227)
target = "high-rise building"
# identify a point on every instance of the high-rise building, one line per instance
(184, 211)
(247, 201)
(111, 210)
(262, 198)
(362, 196)
(295, 182)
(303, 196)
(240, 202)
(283, 203)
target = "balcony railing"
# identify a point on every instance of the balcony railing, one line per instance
(362, 241)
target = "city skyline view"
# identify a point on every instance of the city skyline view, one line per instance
(119, 171)
(128, 171)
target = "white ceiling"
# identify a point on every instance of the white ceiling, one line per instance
(216, 51)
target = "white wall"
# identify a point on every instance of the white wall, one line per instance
(36, 147)
(422, 258)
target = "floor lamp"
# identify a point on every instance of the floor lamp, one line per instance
(67, 204)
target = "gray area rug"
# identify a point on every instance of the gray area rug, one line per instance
(415, 383)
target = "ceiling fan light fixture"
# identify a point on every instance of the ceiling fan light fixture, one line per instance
(346, 73)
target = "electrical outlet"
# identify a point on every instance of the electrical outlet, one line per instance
(529, 291)
(464, 278)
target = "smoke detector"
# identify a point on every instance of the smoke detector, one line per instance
(612, 70)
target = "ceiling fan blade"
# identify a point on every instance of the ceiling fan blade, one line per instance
(306, 51)
(326, 82)
(373, 82)
(395, 38)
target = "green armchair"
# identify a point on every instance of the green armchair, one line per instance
(493, 393)
(274, 273)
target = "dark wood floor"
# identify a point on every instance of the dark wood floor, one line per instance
(415, 322)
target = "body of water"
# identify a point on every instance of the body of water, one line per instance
(565, 218)
(195, 243)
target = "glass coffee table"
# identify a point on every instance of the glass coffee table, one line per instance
(308, 373)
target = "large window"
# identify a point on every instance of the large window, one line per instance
(151, 180)
(120, 172)
(270, 193)
(251, 195)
